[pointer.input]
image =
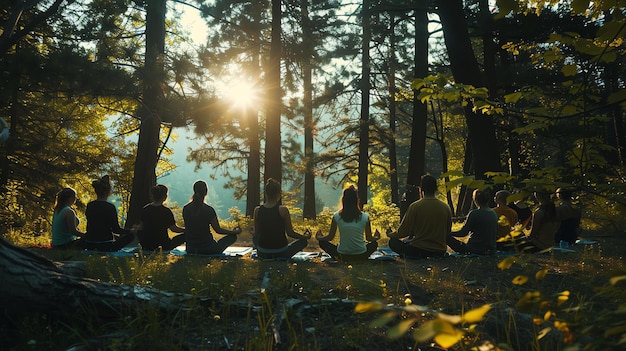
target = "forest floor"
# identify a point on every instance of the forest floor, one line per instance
(310, 305)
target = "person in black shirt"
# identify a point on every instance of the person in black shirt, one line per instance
(156, 220)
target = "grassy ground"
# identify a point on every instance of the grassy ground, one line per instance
(553, 301)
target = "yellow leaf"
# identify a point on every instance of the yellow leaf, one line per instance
(614, 280)
(541, 274)
(506, 263)
(520, 280)
(448, 339)
(453, 319)
(547, 316)
(543, 332)
(563, 296)
(365, 307)
(476, 315)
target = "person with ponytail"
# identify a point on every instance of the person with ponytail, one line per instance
(272, 225)
(199, 218)
(103, 229)
(64, 220)
(156, 222)
(545, 224)
(352, 223)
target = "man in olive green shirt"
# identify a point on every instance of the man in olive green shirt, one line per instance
(426, 224)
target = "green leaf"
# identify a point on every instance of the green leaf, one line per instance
(401, 328)
(513, 97)
(417, 84)
(569, 70)
(580, 6)
(383, 320)
(611, 30)
(617, 97)
(364, 307)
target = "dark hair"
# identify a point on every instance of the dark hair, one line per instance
(481, 197)
(272, 188)
(158, 192)
(62, 198)
(429, 184)
(564, 193)
(350, 207)
(502, 195)
(200, 190)
(546, 204)
(102, 186)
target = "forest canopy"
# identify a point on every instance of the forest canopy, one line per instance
(522, 95)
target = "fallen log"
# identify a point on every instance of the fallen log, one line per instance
(33, 284)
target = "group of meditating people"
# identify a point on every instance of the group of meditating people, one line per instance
(425, 230)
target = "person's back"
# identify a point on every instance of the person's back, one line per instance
(502, 210)
(429, 220)
(569, 217)
(481, 225)
(426, 224)
(271, 228)
(197, 217)
(155, 222)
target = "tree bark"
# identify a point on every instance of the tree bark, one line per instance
(308, 210)
(364, 124)
(393, 158)
(150, 128)
(417, 156)
(34, 284)
(273, 144)
(481, 130)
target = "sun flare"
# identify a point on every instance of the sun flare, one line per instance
(240, 94)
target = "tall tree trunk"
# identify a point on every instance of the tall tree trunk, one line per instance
(253, 189)
(417, 156)
(273, 144)
(149, 111)
(365, 103)
(308, 210)
(481, 130)
(393, 158)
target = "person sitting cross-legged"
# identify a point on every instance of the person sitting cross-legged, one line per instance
(482, 227)
(272, 224)
(426, 225)
(352, 223)
(156, 220)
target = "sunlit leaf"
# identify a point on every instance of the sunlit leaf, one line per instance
(506, 263)
(366, 307)
(447, 340)
(541, 274)
(513, 97)
(547, 315)
(417, 84)
(401, 328)
(563, 297)
(476, 315)
(450, 318)
(615, 330)
(615, 280)
(520, 280)
(543, 332)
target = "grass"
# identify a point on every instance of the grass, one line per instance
(529, 309)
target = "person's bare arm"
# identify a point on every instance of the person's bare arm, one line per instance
(70, 221)
(284, 213)
(331, 232)
(368, 232)
(215, 223)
